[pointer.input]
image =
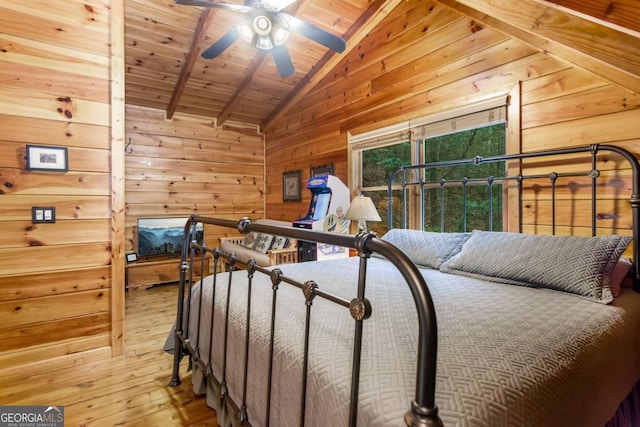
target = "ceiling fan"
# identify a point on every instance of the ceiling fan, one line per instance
(268, 28)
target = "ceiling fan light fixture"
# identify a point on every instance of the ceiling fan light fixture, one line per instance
(283, 20)
(246, 32)
(264, 42)
(262, 25)
(267, 28)
(280, 35)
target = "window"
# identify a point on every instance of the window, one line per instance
(482, 196)
(377, 165)
(433, 139)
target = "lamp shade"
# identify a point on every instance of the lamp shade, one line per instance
(362, 209)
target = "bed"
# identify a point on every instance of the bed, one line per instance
(472, 328)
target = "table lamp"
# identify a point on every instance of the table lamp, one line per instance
(362, 209)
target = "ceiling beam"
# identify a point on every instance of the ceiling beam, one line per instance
(613, 13)
(198, 37)
(235, 99)
(374, 14)
(609, 53)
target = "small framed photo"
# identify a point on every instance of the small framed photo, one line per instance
(291, 186)
(46, 158)
(322, 170)
(132, 257)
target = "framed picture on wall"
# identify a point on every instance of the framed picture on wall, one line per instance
(322, 170)
(45, 158)
(291, 186)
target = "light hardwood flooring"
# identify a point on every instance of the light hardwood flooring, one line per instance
(126, 390)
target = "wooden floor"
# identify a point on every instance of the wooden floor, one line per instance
(127, 390)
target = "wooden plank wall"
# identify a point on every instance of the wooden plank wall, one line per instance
(55, 279)
(187, 166)
(425, 59)
(117, 68)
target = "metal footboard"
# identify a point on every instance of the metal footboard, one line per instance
(422, 411)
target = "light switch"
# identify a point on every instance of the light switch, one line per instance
(43, 214)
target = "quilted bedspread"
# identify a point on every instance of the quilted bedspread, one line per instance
(508, 355)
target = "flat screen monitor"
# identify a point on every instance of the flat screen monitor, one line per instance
(322, 206)
(163, 236)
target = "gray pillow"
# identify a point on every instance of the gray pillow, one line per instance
(578, 265)
(426, 248)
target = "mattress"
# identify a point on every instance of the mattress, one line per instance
(507, 355)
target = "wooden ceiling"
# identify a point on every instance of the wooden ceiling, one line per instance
(242, 87)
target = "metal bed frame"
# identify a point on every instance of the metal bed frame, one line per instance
(423, 410)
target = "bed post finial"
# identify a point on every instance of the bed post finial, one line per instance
(242, 225)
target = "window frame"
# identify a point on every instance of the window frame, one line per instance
(416, 132)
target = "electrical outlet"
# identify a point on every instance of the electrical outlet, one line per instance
(43, 214)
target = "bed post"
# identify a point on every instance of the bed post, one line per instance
(634, 200)
(184, 266)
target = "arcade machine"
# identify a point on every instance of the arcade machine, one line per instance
(330, 199)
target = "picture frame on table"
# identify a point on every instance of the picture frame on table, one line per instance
(47, 158)
(321, 170)
(291, 191)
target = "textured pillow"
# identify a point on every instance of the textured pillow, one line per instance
(425, 248)
(578, 265)
(263, 243)
(618, 275)
(279, 242)
(249, 240)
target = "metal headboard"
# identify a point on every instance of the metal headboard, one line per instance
(404, 175)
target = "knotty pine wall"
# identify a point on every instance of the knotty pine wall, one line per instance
(425, 59)
(187, 166)
(58, 78)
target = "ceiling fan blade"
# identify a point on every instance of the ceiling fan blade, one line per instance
(224, 42)
(312, 32)
(282, 60)
(205, 3)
